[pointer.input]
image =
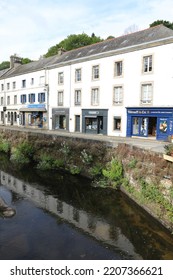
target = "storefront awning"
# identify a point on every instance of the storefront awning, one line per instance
(32, 110)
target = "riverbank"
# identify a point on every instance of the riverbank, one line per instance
(135, 164)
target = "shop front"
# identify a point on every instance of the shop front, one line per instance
(60, 118)
(94, 121)
(34, 116)
(150, 122)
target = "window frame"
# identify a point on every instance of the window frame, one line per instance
(148, 100)
(60, 98)
(95, 96)
(60, 78)
(77, 97)
(78, 75)
(118, 96)
(147, 66)
(95, 72)
(116, 120)
(118, 72)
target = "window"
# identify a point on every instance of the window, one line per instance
(15, 99)
(2, 87)
(8, 86)
(147, 64)
(14, 85)
(146, 93)
(8, 100)
(32, 81)
(60, 78)
(78, 75)
(41, 97)
(2, 101)
(60, 98)
(77, 100)
(117, 123)
(95, 72)
(95, 97)
(31, 97)
(118, 95)
(23, 83)
(42, 80)
(118, 68)
(23, 98)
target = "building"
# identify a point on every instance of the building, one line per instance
(119, 87)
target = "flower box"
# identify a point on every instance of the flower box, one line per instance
(169, 158)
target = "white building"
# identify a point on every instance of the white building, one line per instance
(119, 87)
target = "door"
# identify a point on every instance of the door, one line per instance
(100, 125)
(77, 123)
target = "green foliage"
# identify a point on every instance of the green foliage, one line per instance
(132, 163)
(73, 42)
(46, 162)
(75, 170)
(22, 154)
(26, 60)
(114, 172)
(164, 22)
(65, 150)
(86, 157)
(96, 170)
(4, 65)
(4, 146)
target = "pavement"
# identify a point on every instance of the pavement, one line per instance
(150, 144)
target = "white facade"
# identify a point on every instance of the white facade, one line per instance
(119, 87)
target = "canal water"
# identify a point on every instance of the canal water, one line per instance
(61, 217)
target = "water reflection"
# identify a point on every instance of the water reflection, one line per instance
(80, 221)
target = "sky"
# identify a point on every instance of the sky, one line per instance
(28, 28)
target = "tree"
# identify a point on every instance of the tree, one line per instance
(164, 22)
(26, 60)
(73, 42)
(4, 65)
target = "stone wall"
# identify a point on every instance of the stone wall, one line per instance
(148, 177)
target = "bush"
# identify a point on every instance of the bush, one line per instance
(4, 146)
(46, 162)
(114, 172)
(22, 154)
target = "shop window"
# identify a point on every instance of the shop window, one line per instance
(60, 78)
(117, 123)
(78, 75)
(77, 100)
(95, 97)
(8, 117)
(31, 97)
(60, 122)
(15, 117)
(147, 64)
(41, 97)
(118, 68)
(95, 72)
(91, 124)
(60, 98)
(146, 94)
(23, 98)
(118, 95)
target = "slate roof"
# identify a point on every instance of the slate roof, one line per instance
(153, 35)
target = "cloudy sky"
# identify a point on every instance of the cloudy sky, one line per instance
(30, 27)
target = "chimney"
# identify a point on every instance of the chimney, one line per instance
(15, 61)
(61, 51)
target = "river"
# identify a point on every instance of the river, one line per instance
(60, 217)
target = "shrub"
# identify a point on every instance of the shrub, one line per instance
(23, 153)
(46, 162)
(114, 172)
(4, 146)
